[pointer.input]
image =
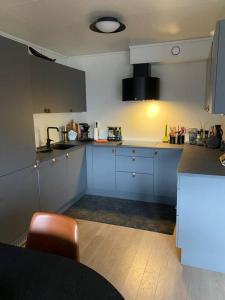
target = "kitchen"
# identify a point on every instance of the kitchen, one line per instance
(141, 167)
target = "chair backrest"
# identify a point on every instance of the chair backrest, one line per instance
(55, 234)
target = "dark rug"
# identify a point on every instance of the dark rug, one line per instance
(129, 213)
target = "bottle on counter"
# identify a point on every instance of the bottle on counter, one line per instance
(64, 134)
(96, 131)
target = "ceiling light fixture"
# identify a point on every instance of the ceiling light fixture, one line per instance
(107, 25)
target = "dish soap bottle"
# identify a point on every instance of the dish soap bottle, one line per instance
(96, 131)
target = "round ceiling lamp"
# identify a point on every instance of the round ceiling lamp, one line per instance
(107, 25)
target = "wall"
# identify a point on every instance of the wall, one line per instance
(182, 96)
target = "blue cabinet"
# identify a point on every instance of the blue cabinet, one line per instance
(101, 168)
(165, 175)
(135, 173)
(200, 216)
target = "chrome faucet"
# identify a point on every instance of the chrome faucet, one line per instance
(48, 144)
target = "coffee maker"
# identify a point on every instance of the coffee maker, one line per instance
(84, 132)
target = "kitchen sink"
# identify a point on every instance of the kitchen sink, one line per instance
(44, 150)
(62, 146)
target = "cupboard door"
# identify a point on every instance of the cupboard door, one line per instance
(103, 168)
(18, 201)
(17, 147)
(57, 88)
(75, 173)
(52, 180)
(166, 162)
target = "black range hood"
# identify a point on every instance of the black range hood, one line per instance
(142, 86)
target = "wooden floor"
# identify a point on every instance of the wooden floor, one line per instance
(145, 265)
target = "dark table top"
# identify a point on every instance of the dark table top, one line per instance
(27, 274)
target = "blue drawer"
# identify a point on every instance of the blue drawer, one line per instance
(134, 183)
(135, 164)
(130, 151)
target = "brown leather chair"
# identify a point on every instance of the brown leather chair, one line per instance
(54, 233)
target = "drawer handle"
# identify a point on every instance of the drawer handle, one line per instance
(67, 155)
(133, 158)
(133, 174)
(133, 151)
(53, 160)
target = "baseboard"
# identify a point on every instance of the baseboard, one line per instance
(131, 196)
(71, 202)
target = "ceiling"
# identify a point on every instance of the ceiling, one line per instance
(63, 25)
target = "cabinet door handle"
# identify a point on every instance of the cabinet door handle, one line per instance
(133, 174)
(47, 110)
(36, 165)
(133, 158)
(53, 160)
(133, 151)
(113, 151)
(156, 152)
(67, 155)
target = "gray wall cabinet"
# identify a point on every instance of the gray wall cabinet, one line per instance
(18, 201)
(62, 179)
(56, 88)
(17, 147)
(215, 87)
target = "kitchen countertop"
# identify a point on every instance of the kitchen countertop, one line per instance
(201, 160)
(194, 159)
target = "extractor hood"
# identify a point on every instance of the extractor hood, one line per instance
(142, 86)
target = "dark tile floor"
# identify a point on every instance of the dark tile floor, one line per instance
(129, 213)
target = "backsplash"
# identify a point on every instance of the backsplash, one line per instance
(42, 121)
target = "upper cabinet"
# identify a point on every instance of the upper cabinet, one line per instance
(56, 88)
(17, 147)
(171, 52)
(215, 84)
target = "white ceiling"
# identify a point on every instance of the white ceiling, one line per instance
(63, 25)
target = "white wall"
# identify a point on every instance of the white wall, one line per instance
(182, 99)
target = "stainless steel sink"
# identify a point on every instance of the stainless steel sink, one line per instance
(62, 146)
